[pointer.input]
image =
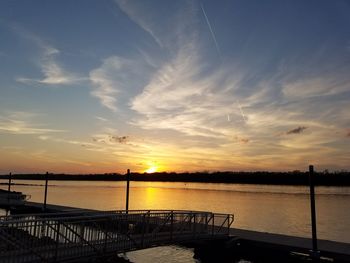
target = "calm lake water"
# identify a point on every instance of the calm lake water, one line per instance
(274, 209)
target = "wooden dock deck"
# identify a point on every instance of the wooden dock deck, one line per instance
(34, 207)
(331, 249)
(75, 235)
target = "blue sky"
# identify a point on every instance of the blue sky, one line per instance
(102, 86)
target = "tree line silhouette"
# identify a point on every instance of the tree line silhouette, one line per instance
(340, 178)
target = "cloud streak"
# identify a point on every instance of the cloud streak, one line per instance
(145, 22)
(241, 111)
(211, 30)
(53, 72)
(298, 130)
(197, 101)
(115, 76)
(22, 123)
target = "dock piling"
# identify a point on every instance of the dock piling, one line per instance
(127, 190)
(314, 252)
(45, 194)
(10, 182)
(9, 190)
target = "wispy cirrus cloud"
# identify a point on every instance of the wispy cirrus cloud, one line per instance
(22, 123)
(52, 71)
(316, 86)
(246, 102)
(145, 20)
(64, 140)
(103, 81)
(178, 98)
(101, 119)
(115, 76)
(181, 94)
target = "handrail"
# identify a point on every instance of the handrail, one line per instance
(45, 216)
(88, 211)
(71, 235)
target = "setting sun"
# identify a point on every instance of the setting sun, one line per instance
(151, 169)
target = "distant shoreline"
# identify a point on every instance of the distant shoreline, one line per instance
(267, 178)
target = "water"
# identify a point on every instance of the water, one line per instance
(274, 209)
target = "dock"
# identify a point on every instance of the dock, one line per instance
(34, 207)
(85, 230)
(330, 249)
(77, 235)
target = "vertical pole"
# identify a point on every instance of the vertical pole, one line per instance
(212, 224)
(106, 237)
(57, 240)
(8, 194)
(127, 190)
(194, 225)
(10, 182)
(143, 230)
(45, 195)
(313, 210)
(228, 224)
(171, 225)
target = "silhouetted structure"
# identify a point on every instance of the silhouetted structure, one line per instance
(341, 178)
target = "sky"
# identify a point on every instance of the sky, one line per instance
(90, 86)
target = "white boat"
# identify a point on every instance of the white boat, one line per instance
(12, 198)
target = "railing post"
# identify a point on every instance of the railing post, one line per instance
(148, 220)
(82, 232)
(35, 223)
(143, 230)
(45, 194)
(212, 225)
(194, 225)
(106, 236)
(206, 222)
(171, 225)
(57, 240)
(228, 224)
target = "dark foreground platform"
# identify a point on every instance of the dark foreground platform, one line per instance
(254, 240)
(337, 251)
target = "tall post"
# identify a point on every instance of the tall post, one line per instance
(127, 190)
(45, 195)
(10, 182)
(8, 194)
(314, 251)
(171, 225)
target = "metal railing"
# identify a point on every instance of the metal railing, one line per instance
(68, 236)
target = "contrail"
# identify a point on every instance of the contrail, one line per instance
(211, 30)
(242, 113)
